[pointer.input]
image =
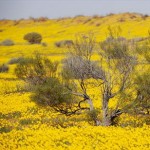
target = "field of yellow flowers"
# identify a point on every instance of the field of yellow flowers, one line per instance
(25, 126)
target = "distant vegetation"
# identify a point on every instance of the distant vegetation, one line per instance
(15, 60)
(64, 43)
(7, 43)
(4, 68)
(33, 38)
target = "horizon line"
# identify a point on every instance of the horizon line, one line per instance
(73, 16)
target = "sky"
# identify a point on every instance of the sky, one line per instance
(16, 9)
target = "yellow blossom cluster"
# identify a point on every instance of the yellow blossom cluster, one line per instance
(83, 138)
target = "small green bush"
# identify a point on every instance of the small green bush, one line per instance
(5, 129)
(33, 38)
(15, 60)
(115, 48)
(7, 43)
(4, 68)
(28, 121)
(15, 114)
(50, 92)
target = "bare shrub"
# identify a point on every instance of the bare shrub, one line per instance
(64, 43)
(7, 42)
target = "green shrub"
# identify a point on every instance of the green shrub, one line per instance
(7, 42)
(5, 129)
(115, 48)
(28, 121)
(50, 92)
(15, 60)
(4, 68)
(143, 93)
(33, 38)
(36, 69)
(15, 114)
(40, 73)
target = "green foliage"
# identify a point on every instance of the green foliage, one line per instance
(5, 129)
(24, 68)
(143, 83)
(40, 73)
(7, 42)
(143, 93)
(15, 60)
(145, 51)
(144, 48)
(140, 98)
(33, 38)
(36, 69)
(16, 114)
(28, 121)
(51, 93)
(4, 68)
(115, 48)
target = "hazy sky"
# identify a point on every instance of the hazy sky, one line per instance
(15, 9)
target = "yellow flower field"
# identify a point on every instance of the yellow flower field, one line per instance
(86, 137)
(25, 126)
